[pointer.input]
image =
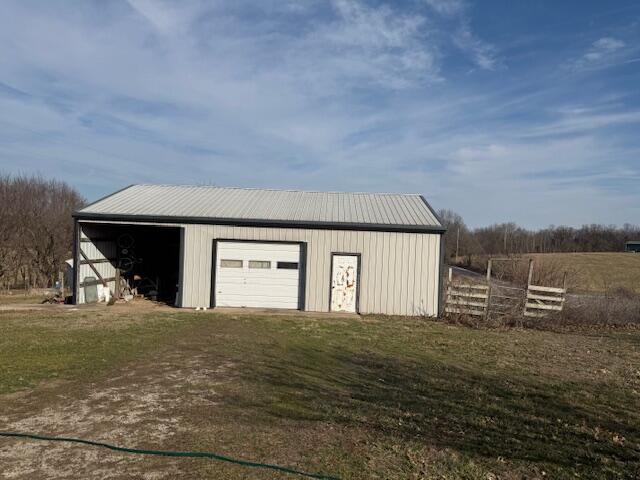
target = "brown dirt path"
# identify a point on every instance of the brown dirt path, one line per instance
(139, 406)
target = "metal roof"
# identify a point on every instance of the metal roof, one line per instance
(206, 204)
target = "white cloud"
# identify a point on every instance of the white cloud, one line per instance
(580, 122)
(447, 7)
(602, 52)
(375, 44)
(154, 13)
(539, 183)
(608, 44)
(483, 54)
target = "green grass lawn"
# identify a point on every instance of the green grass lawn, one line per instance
(41, 345)
(367, 398)
(20, 299)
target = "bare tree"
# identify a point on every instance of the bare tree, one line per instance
(36, 229)
(509, 238)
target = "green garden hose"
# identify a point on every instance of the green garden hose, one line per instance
(166, 453)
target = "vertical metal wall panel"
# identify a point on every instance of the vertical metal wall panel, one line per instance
(427, 265)
(365, 244)
(434, 265)
(189, 276)
(399, 271)
(411, 274)
(390, 296)
(406, 296)
(422, 268)
(95, 249)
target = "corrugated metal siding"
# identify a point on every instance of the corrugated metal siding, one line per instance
(96, 250)
(269, 205)
(399, 271)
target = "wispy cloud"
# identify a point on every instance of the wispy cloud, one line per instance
(376, 44)
(604, 51)
(579, 122)
(447, 7)
(159, 16)
(481, 53)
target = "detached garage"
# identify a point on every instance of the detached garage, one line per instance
(230, 247)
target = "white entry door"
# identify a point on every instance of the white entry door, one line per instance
(344, 283)
(253, 274)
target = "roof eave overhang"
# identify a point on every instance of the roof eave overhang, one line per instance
(242, 222)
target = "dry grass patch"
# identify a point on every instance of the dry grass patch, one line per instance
(587, 272)
(20, 299)
(597, 272)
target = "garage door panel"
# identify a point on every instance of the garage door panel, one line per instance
(260, 246)
(253, 285)
(257, 287)
(260, 277)
(260, 251)
(262, 255)
(261, 303)
(263, 279)
(290, 291)
(260, 297)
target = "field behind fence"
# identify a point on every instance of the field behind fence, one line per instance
(588, 272)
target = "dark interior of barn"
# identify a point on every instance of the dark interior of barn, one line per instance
(148, 259)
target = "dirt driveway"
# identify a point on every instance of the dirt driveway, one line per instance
(142, 405)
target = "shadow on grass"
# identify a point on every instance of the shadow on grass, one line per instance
(442, 405)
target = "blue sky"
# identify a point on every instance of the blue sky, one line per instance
(500, 110)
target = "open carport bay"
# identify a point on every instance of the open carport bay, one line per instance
(129, 258)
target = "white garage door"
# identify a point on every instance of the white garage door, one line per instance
(252, 274)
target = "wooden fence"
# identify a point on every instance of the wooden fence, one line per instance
(543, 300)
(467, 297)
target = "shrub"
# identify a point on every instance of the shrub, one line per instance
(616, 308)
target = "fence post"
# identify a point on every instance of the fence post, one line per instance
(487, 301)
(526, 293)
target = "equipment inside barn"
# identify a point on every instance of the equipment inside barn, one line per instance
(132, 260)
(144, 259)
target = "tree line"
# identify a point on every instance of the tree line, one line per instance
(509, 238)
(36, 229)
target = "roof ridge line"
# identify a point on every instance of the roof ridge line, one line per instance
(272, 189)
